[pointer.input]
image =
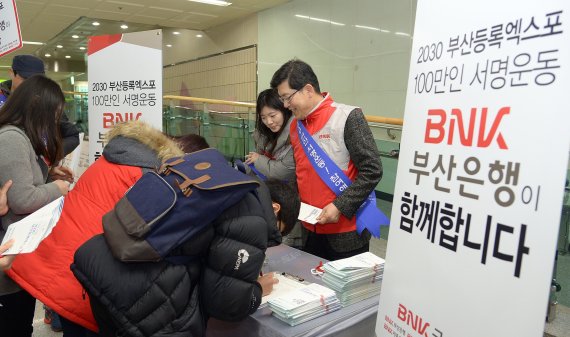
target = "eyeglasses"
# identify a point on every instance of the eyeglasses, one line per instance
(288, 98)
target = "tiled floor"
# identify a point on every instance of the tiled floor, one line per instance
(40, 328)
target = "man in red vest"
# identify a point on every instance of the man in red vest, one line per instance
(342, 132)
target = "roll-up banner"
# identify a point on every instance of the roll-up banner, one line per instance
(481, 171)
(125, 83)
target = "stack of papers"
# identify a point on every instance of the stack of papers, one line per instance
(304, 304)
(355, 278)
(286, 285)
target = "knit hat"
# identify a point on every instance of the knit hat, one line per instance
(27, 65)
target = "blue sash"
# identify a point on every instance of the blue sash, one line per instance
(368, 215)
(257, 173)
(240, 165)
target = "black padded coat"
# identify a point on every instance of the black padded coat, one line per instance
(168, 299)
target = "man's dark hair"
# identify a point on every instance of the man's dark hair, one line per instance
(297, 74)
(191, 143)
(289, 201)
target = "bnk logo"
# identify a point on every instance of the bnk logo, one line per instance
(243, 255)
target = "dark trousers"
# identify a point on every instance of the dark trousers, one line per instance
(318, 245)
(17, 314)
(71, 329)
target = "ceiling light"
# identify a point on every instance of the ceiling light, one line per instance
(319, 20)
(82, 48)
(367, 27)
(176, 33)
(75, 36)
(169, 45)
(199, 35)
(47, 55)
(59, 46)
(95, 23)
(67, 56)
(213, 2)
(123, 26)
(402, 34)
(33, 42)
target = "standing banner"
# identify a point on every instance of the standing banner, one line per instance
(481, 170)
(10, 36)
(125, 83)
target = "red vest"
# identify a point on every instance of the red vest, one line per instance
(45, 274)
(326, 125)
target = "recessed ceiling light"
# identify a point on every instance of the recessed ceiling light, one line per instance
(59, 46)
(95, 23)
(67, 56)
(75, 36)
(213, 2)
(199, 35)
(176, 33)
(123, 26)
(33, 42)
(169, 45)
(47, 55)
(82, 48)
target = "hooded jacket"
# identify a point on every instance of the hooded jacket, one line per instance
(131, 149)
(169, 299)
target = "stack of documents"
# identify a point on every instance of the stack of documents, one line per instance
(304, 304)
(355, 278)
(286, 284)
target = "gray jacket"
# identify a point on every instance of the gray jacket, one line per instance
(283, 166)
(29, 192)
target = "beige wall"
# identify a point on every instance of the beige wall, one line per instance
(235, 34)
(215, 69)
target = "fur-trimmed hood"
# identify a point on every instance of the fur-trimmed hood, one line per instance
(136, 143)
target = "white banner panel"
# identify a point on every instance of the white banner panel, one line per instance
(125, 83)
(481, 172)
(10, 36)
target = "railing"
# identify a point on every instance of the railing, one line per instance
(76, 108)
(227, 125)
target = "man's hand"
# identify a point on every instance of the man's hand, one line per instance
(4, 198)
(61, 173)
(267, 281)
(330, 214)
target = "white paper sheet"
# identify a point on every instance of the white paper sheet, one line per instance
(309, 213)
(31, 230)
(285, 285)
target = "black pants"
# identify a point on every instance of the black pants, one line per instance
(71, 329)
(17, 314)
(318, 245)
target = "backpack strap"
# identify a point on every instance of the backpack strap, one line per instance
(185, 186)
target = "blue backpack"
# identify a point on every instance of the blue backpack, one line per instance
(164, 209)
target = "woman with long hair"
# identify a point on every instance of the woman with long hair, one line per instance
(31, 148)
(273, 156)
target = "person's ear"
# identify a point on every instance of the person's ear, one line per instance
(276, 208)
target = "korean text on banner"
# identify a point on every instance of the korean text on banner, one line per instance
(477, 199)
(125, 83)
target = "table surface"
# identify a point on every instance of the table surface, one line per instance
(355, 320)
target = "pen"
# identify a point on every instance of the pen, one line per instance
(294, 277)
